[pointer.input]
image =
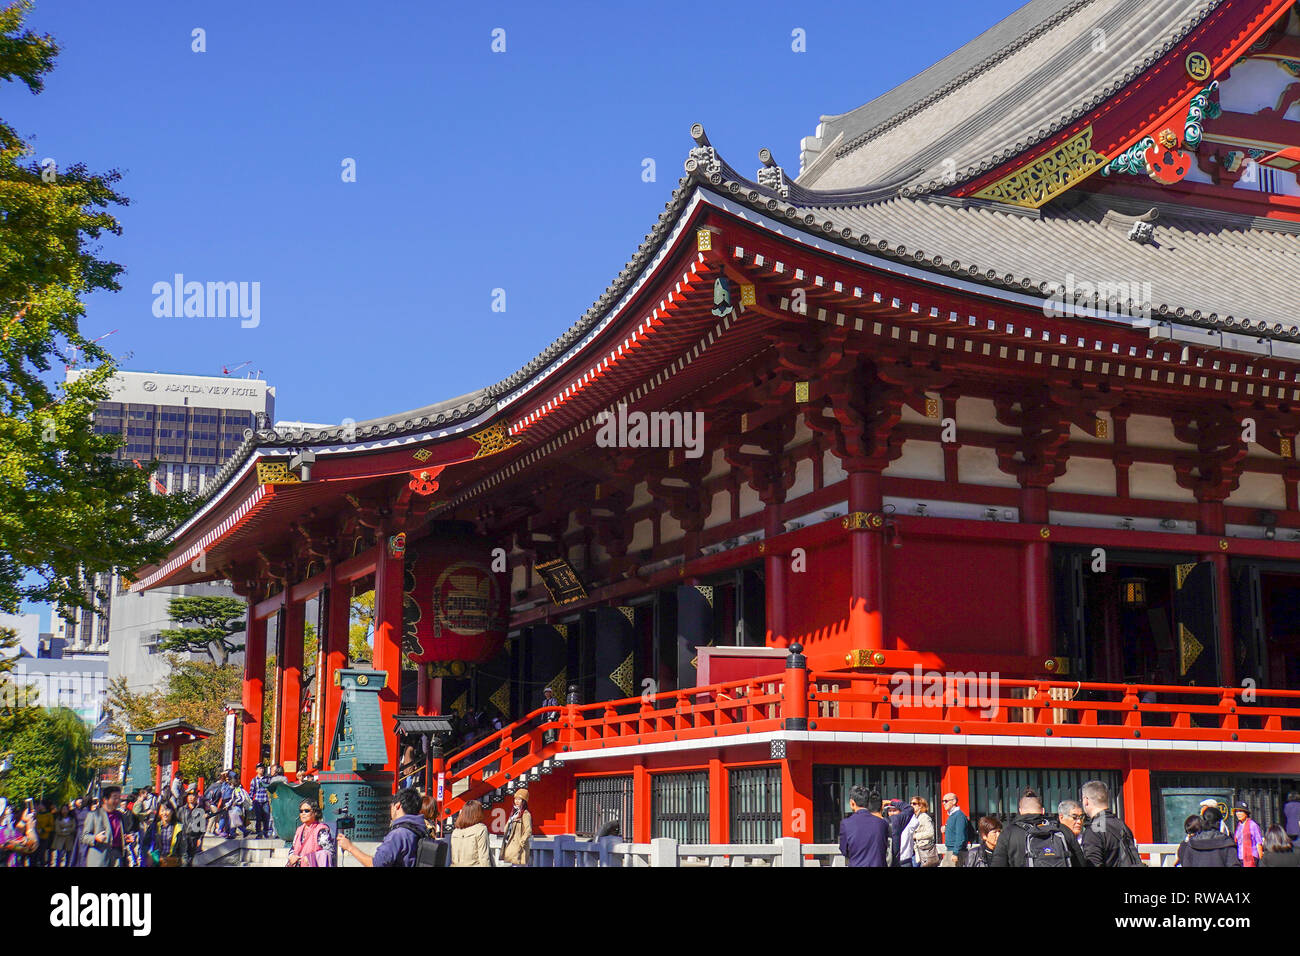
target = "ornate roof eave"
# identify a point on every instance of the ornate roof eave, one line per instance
(1068, 126)
(467, 410)
(724, 179)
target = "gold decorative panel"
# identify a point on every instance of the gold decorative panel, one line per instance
(1049, 175)
(493, 439)
(863, 521)
(1189, 648)
(275, 473)
(622, 677)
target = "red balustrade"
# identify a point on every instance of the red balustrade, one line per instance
(880, 702)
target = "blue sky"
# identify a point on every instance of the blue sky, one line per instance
(475, 170)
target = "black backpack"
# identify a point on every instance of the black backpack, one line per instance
(1129, 855)
(1045, 846)
(428, 851)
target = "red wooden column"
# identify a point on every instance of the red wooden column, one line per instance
(774, 574)
(718, 802)
(1037, 596)
(388, 644)
(428, 693)
(796, 792)
(289, 667)
(336, 656)
(867, 554)
(641, 803)
(956, 780)
(254, 693)
(1137, 797)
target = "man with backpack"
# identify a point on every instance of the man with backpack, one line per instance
(1107, 841)
(401, 845)
(1032, 839)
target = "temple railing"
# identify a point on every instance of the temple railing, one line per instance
(872, 702)
(979, 704)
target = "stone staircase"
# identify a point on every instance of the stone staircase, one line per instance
(250, 852)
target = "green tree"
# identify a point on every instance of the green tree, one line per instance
(196, 691)
(361, 627)
(214, 623)
(67, 509)
(53, 758)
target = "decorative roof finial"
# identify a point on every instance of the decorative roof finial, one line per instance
(772, 176)
(703, 159)
(1143, 230)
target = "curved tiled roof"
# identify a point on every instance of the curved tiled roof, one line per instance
(453, 412)
(1074, 58)
(1205, 268)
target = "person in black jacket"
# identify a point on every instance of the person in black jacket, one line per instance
(1031, 824)
(1205, 845)
(1107, 841)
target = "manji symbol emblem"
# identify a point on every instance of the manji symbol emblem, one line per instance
(1198, 66)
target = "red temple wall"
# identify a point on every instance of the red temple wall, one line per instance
(954, 595)
(817, 603)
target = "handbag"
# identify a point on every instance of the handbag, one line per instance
(928, 856)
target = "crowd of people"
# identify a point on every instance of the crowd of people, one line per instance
(417, 836)
(167, 828)
(144, 827)
(1081, 833)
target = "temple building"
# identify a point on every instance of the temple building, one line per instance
(961, 460)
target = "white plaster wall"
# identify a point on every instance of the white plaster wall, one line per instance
(979, 466)
(640, 495)
(1087, 476)
(803, 480)
(980, 414)
(1080, 435)
(749, 501)
(920, 459)
(1260, 491)
(911, 415)
(832, 471)
(1156, 482)
(1151, 432)
(719, 510)
(718, 464)
(642, 535)
(670, 529)
(802, 433)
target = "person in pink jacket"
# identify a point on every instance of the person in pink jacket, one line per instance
(1248, 835)
(312, 844)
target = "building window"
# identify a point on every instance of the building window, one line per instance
(604, 800)
(831, 785)
(755, 803)
(679, 806)
(995, 791)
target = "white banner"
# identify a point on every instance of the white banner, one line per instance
(228, 752)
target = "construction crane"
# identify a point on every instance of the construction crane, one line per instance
(232, 370)
(75, 352)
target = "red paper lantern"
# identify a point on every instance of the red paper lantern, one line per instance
(461, 603)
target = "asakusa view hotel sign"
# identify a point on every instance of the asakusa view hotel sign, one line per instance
(149, 388)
